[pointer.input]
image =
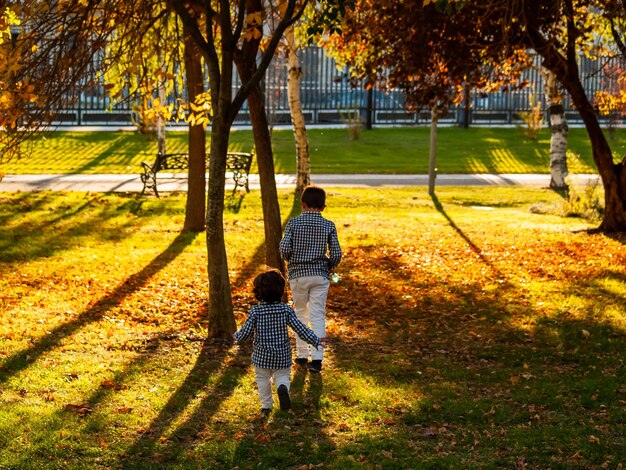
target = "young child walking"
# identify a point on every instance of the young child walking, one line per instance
(311, 248)
(268, 323)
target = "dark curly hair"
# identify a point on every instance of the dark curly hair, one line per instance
(269, 286)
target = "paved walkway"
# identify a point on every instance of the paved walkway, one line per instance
(178, 182)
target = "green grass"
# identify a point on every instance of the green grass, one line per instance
(466, 332)
(382, 150)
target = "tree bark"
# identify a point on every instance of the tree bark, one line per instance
(220, 54)
(221, 321)
(161, 122)
(559, 130)
(267, 178)
(612, 174)
(432, 160)
(195, 211)
(303, 165)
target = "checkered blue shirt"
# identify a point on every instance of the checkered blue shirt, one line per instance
(310, 246)
(268, 322)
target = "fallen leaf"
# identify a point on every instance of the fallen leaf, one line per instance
(80, 409)
(111, 385)
(263, 438)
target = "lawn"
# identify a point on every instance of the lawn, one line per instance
(383, 150)
(467, 331)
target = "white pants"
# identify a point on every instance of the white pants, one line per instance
(264, 383)
(309, 299)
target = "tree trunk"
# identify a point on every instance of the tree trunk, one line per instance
(196, 184)
(612, 174)
(267, 178)
(432, 160)
(221, 318)
(161, 122)
(303, 166)
(559, 130)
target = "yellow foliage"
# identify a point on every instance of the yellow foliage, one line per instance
(612, 103)
(254, 18)
(533, 118)
(608, 103)
(252, 32)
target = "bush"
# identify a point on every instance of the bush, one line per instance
(585, 203)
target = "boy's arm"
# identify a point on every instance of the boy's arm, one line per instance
(334, 249)
(304, 332)
(285, 243)
(247, 330)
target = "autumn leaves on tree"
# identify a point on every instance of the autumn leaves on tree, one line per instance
(433, 49)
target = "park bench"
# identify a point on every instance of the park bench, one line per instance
(238, 163)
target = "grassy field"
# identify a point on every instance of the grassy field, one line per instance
(382, 150)
(467, 331)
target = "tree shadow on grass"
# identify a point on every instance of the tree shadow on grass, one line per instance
(123, 147)
(468, 357)
(456, 228)
(21, 360)
(100, 425)
(234, 201)
(453, 373)
(216, 357)
(295, 438)
(46, 226)
(618, 237)
(153, 443)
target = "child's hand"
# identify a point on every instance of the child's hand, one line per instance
(324, 341)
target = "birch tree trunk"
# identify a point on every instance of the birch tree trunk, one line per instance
(303, 166)
(559, 129)
(161, 122)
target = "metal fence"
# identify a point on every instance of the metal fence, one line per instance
(328, 97)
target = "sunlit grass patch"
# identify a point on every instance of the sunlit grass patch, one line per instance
(466, 331)
(401, 150)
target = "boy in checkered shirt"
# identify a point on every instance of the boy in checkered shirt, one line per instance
(311, 248)
(268, 323)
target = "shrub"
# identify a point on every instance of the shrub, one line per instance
(532, 118)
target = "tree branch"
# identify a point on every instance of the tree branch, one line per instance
(288, 19)
(241, 16)
(617, 37)
(190, 25)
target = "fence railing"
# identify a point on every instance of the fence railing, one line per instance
(328, 96)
